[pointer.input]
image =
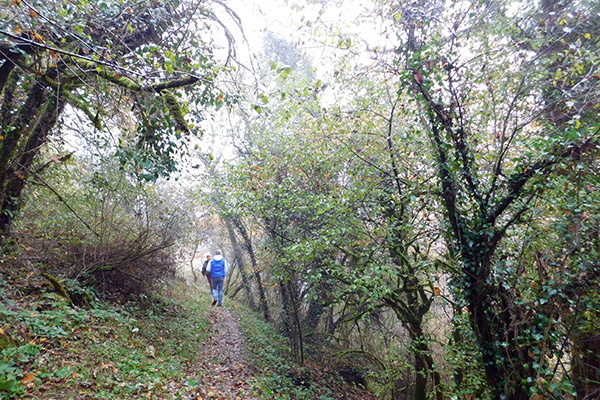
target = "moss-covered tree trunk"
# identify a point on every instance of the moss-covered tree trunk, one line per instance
(411, 315)
(13, 179)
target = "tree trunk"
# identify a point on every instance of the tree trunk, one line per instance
(420, 392)
(423, 361)
(15, 183)
(240, 262)
(424, 367)
(493, 325)
(315, 310)
(298, 326)
(248, 245)
(192, 262)
(18, 126)
(287, 326)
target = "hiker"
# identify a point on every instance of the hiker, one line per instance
(207, 273)
(217, 267)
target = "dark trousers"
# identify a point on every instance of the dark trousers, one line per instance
(208, 278)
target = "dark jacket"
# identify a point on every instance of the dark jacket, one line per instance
(204, 270)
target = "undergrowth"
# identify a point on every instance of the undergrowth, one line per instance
(50, 350)
(282, 378)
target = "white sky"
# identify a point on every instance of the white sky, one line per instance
(296, 20)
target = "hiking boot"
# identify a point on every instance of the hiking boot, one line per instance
(214, 302)
(219, 305)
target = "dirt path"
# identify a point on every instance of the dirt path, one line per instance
(225, 369)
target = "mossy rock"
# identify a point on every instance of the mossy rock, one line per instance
(7, 341)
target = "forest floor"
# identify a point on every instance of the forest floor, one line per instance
(176, 347)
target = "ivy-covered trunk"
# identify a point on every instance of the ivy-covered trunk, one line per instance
(499, 325)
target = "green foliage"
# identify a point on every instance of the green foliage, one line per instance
(123, 64)
(281, 377)
(446, 147)
(493, 147)
(472, 137)
(105, 352)
(11, 372)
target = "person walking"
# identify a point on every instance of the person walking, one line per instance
(218, 268)
(207, 273)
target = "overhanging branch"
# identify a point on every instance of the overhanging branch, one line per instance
(518, 181)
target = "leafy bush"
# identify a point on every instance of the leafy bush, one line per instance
(111, 234)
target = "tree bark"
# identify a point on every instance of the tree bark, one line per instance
(18, 127)
(250, 248)
(240, 261)
(15, 182)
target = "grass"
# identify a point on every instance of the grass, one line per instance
(50, 350)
